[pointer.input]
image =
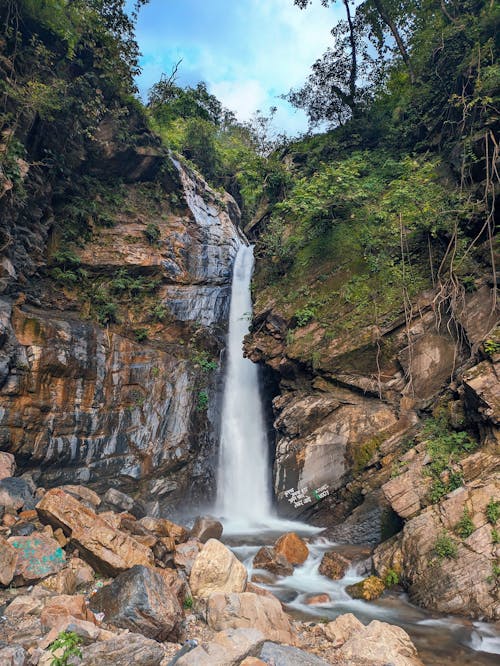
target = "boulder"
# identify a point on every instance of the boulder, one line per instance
(267, 558)
(63, 582)
(83, 494)
(64, 608)
(381, 642)
(292, 547)
(107, 550)
(342, 628)
(8, 561)
(205, 528)
(368, 589)
(38, 556)
(7, 465)
(24, 604)
(333, 565)
(318, 599)
(22, 528)
(165, 528)
(122, 651)
(12, 655)
(186, 553)
(231, 611)
(117, 501)
(216, 569)
(84, 574)
(284, 655)
(227, 648)
(176, 583)
(141, 601)
(16, 494)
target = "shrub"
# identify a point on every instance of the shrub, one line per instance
(492, 347)
(465, 526)
(159, 312)
(304, 316)
(445, 547)
(152, 233)
(202, 403)
(203, 360)
(188, 603)
(141, 334)
(495, 536)
(391, 578)
(69, 642)
(493, 511)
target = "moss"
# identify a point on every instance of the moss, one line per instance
(364, 452)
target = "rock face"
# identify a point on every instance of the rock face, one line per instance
(247, 610)
(140, 600)
(108, 550)
(216, 569)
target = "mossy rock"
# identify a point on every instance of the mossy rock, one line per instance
(368, 589)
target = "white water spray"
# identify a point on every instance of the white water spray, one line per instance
(243, 488)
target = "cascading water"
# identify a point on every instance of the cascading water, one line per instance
(243, 488)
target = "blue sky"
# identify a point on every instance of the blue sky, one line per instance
(247, 51)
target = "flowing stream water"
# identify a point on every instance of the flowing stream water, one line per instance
(244, 504)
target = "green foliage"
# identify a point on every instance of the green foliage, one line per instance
(492, 347)
(152, 233)
(159, 312)
(188, 603)
(391, 578)
(495, 573)
(493, 511)
(68, 642)
(141, 334)
(446, 547)
(202, 401)
(465, 526)
(495, 536)
(204, 361)
(304, 316)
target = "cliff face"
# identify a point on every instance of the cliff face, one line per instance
(109, 363)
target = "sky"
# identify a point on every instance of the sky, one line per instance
(248, 52)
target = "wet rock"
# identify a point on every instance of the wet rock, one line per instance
(342, 628)
(165, 528)
(216, 569)
(124, 650)
(16, 494)
(186, 553)
(368, 589)
(267, 558)
(7, 465)
(227, 648)
(38, 556)
(284, 655)
(108, 550)
(8, 561)
(333, 565)
(292, 547)
(382, 643)
(140, 600)
(64, 608)
(205, 528)
(12, 655)
(318, 599)
(231, 611)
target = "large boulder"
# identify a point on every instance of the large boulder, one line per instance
(83, 494)
(333, 565)
(107, 549)
(292, 547)
(216, 569)
(12, 655)
(38, 556)
(124, 650)
(368, 589)
(381, 643)
(165, 528)
(205, 528)
(64, 608)
(284, 655)
(16, 494)
(342, 628)
(231, 611)
(8, 561)
(267, 558)
(227, 648)
(140, 600)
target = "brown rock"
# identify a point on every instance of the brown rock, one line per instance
(292, 547)
(8, 562)
(9, 520)
(29, 515)
(62, 608)
(205, 528)
(60, 538)
(176, 584)
(24, 605)
(261, 591)
(88, 496)
(267, 558)
(333, 565)
(216, 569)
(227, 648)
(186, 553)
(7, 465)
(318, 599)
(226, 611)
(38, 556)
(253, 661)
(342, 628)
(368, 589)
(84, 574)
(63, 582)
(388, 556)
(108, 550)
(381, 643)
(165, 528)
(124, 650)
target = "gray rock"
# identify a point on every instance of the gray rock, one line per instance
(284, 655)
(227, 648)
(205, 528)
(123, 651)
(12, 655)
(17, 494)
(115, 500)
(22, 529)
(140, 600)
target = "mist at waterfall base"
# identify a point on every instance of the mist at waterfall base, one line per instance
(244, 499)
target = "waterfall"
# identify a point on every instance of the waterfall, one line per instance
(243, 487)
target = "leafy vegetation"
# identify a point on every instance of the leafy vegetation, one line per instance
(68, 645)
(391, 578)
(446, 547)
(465, 526)
(202, 402)
(493, 511)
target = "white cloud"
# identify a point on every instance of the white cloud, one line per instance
(243, 97)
